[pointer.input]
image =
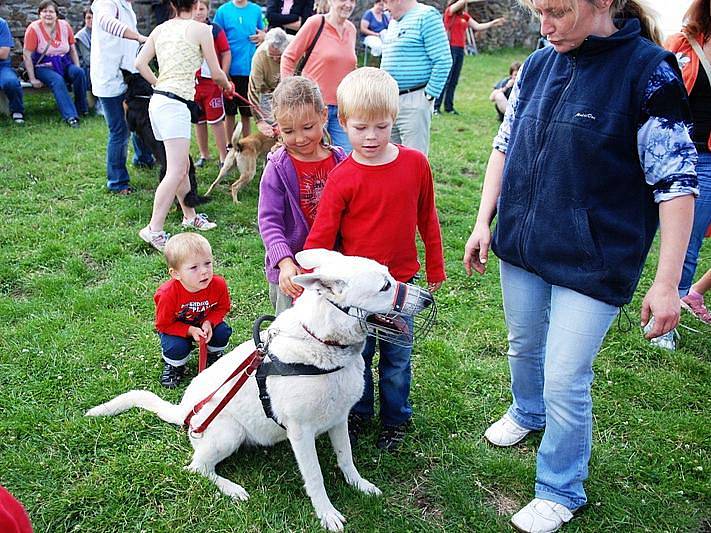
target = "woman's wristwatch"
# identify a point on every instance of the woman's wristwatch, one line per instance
(429, 97)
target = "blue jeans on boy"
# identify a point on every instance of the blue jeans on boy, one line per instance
(176, 350)
(335, 130)
(702, 219)
(554, 335)
(58, 85)
(452, 80)
(10, 85)
(395, 377)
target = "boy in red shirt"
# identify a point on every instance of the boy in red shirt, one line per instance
(374, 202)
(190, 306)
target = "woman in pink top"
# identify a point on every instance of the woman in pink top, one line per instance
(51, 59)
(331, 59)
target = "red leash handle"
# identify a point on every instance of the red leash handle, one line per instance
(246, 368)
(202, 355)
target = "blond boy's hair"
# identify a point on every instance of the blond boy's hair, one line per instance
(183, 247)
(368, 93)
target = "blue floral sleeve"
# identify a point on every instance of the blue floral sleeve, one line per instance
(501, 141)
(666, 151)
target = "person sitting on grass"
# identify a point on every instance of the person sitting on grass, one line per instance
(502, 90)
(190, 307)
(373, 204)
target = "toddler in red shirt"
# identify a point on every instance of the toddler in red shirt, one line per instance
(190, 306)
(374, 203)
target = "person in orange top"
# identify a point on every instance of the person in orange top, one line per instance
(333, 57)
(692, 47)
(51, 59)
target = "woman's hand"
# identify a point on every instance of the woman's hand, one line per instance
(287, 270)
(36, 83)
(661, 302)
(265, 129)
(476, 251)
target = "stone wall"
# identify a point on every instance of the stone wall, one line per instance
(520, 29)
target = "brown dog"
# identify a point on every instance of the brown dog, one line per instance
(243, 155)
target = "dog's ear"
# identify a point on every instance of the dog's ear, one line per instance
(315, 257)
(126, 75)
(321, 284)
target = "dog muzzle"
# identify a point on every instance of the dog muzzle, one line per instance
(413, 314)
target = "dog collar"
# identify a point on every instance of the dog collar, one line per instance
(326, 342)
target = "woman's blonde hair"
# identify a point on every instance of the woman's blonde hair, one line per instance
(294, 93)
(368, 93)
(624, 9)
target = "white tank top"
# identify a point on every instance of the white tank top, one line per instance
(178, 58)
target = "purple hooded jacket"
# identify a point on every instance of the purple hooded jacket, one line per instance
(282, 224)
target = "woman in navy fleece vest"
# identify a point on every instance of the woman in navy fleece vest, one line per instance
(593, 154)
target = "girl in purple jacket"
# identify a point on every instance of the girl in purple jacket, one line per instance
(292, 182)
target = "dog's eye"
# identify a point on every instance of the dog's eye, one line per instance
(386, 287)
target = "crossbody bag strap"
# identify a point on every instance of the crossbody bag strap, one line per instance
(700, 52)
(302, 62)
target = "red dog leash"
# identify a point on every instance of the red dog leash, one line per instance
(202, 355)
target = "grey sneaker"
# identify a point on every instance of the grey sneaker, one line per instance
(201, 162)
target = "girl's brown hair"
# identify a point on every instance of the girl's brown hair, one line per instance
(292, 94)
(697, 20)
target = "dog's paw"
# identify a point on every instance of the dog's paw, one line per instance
(332, 520)
(367, 487)
(233, 490)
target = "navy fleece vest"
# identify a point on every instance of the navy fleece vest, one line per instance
(574, 206)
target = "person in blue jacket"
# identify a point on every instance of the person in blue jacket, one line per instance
(593, 154)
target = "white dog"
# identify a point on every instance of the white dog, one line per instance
(320, 331)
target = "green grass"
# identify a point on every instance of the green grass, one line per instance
(77, 286)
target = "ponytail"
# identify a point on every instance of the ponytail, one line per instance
(638, 9)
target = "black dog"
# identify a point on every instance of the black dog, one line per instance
(138, 95)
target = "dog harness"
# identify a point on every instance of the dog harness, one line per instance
(255, 363)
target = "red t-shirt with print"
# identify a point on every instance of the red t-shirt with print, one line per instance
(312, 177)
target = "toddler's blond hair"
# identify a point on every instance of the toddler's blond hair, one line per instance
(183, 247)
(368, 93)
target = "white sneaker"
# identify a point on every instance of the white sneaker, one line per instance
(157, 239)
(541, 516)
(199, 222)
(505, 432)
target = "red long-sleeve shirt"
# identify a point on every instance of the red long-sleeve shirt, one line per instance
(375, 211)
(177, 309)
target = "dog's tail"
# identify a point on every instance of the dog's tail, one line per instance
(193, 199)
(144, 399)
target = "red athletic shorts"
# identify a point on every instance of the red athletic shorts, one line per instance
(209, 95)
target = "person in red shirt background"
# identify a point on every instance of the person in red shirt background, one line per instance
(191, 306)
(208, 94)
(456, 22)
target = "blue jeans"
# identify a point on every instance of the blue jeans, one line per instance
(338, 135)
(554, 336)
(58, 85)
(176, 350)
(702, 219)
(117, 146)
(394, 384)
(10, 85)
(452, 80)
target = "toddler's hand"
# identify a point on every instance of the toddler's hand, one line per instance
(207, 330)
(196, 333)
(432, 287)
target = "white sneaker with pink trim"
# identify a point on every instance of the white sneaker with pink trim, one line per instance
(199, 222)
(541, 516)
